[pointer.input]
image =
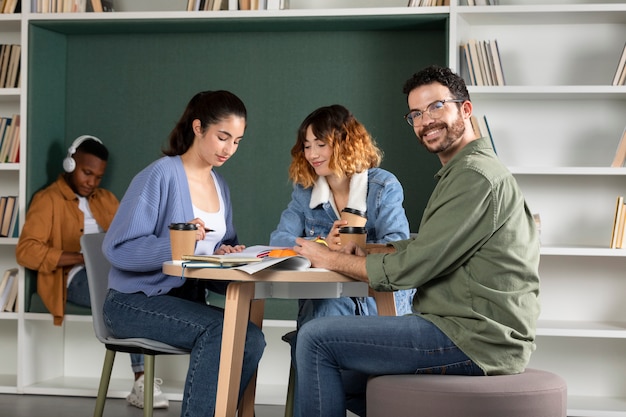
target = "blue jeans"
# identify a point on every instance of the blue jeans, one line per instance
(369, 345)
(188, 324)
(78, 293)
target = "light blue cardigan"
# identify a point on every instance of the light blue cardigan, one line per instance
(138, 242)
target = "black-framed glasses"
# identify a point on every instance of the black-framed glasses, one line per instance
(434, 111)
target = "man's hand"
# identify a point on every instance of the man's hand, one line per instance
(349, 261)
(315, 252)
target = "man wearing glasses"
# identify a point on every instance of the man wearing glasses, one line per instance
(474, 263)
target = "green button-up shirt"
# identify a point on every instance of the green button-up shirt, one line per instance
(474, 262)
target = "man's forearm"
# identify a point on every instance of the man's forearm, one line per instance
(350, 265)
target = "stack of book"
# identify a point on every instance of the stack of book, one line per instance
(10, 65)
(8, 290)
(620, 73)
(10, 139)
(8, 216)
(428, 3)
(71, 6)
(480, 62)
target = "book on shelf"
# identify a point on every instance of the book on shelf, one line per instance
(467, 70)
(620, 72)
(251, 260)
(473, 51)
(428, 3)
(617, 230)
(5, 54)
(497, 62)
(487, 131)
(620, 152)
(99, 6)
(9, 279)
(14, 148)
(8, 138)
(11, 301)
(481, 129)
(9, 216)
(485, 66)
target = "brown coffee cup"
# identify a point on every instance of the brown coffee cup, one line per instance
(357, 235)
(354, 217)
(183, 239)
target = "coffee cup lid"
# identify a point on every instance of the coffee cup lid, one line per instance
(354, 211)
(183, 226)
(353, 229)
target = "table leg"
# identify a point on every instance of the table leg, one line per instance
(385, 303)
(236, 316)
(246, 406)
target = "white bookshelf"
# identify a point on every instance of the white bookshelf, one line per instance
(556, 124)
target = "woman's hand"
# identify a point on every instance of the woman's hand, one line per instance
(202, 229)
(224, 249)
(333, 240)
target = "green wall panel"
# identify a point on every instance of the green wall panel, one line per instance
(128, 84)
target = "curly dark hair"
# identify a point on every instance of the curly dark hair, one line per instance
(441, 75)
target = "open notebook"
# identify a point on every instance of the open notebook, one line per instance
(252, 259)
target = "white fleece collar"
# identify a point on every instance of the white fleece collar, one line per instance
(358, 193)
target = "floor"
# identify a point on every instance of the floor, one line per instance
(56, 406)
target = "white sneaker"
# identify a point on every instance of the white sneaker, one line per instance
(136, 394)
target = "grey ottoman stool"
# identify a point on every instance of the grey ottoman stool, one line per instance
(533, 393)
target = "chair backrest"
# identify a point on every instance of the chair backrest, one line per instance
(97, 267)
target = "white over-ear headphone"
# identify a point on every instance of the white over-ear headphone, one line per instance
(69, 164)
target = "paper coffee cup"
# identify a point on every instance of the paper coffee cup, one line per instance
(356, 218)
(183, 239)
(357, 235)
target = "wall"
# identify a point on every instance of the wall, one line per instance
(128, 85)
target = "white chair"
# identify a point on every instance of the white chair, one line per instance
(98, 277)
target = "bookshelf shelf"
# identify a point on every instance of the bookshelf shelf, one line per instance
(582, 251)
(556, 124)
(582, 171)
(584, 329)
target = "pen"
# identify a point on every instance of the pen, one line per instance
(206, 229)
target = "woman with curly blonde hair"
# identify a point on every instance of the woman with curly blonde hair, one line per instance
(335, 164)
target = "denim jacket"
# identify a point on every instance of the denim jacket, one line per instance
(386, 222)
(386, 219)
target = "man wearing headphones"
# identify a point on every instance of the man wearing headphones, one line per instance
(49, 242)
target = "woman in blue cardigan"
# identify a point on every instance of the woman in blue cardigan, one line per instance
(180, 187)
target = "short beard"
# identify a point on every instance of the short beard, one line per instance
(454, 132)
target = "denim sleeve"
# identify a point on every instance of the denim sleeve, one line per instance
(389, 220)
(291, 224)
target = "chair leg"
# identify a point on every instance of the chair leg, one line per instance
(290, 393)
(148, 385)
(105, 378)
